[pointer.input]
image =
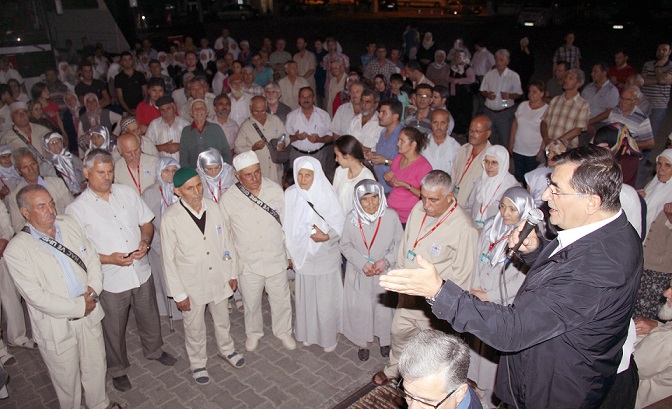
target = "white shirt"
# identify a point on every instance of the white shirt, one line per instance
(5, 118)
(318, 123)
(567, 237)
(230, 129)
(218, 82)
(159, 132)
(482, 62)
(528, 135)
(441, 156)
(289, 92)
(345, 187)
(368, 134)
(509, 82)
(9, 74)
(341, 122)
(114, 226)
(240, 109)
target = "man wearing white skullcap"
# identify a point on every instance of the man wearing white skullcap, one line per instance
(254, 209)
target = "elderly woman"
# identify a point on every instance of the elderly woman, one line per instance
(370, 243)
(313, 225)
(458, 46)
(461, 80)
(37, 116)
(493, 283)
(426, 50)
(95, 116)
(406, 171)
(98, 137)
(159, 197)
(657, 255)
(483, 202)
(437, 72)
(9, 177)
(68, 167)
(217, 175)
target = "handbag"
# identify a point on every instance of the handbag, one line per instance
(279, 157)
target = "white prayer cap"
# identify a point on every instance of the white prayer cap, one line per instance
(15, 106)
(197, 100)
(245, 160)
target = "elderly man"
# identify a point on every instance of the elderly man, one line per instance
(58, 273)
(433, 368)
(198, 89)
(253, 210)
(449, 239)
(135, 169)
(347, 111)
(308, 128)
(275, 106)
(24, 134)
(291, 84)
(201, 269)
(602, 97)
(567, 114)
(165, 132)
(364, 126)
(652, 355)
(119, 226)
(201, 135)
(222, 118)
(25, 164)
(467, 165)
(576, 302)
(627, 112)
(335, 85)
(441, 149)
(500, 88)
(240, 101)
(250, 137)
(306, 62)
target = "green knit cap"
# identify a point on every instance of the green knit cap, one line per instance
(182, 175)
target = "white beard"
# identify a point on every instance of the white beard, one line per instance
(237, 94)
(665, 312)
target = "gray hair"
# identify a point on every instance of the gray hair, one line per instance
(272, 85)
(633, 88)
(503, 52)
(437, 179)
(580, 75)
(97, 155)
(20, 153)
(433, 352)
(21, 198)
(248, 68)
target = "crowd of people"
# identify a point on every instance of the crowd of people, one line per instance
(167, 182)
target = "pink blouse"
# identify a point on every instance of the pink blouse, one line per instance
(403, 200)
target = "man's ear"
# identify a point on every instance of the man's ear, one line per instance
(594, 204)
(460, 393)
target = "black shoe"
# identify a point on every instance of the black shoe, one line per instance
(121, 383)
(363, 354)
(166, 359)
(385, 351)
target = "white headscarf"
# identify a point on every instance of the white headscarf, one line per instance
(523, 202)
(657, 193)
(63, 163)
(215, 186)
(436, 64)
(300, 217)
(490, 186)
(105, 133)
(10, 177)
(168, 196)
(427, 40)
(366, 187)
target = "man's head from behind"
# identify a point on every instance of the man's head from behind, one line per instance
(434, 367)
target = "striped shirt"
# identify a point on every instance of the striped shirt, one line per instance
(637, 122)
(657, 94)
(564, 115)
(570, 54)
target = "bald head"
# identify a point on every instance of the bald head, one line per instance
(440, 120)
(129, 148)
(258, 109)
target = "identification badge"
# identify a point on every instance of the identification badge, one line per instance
(456, 189)
(435, 250)
(218, 228)
(480, 224)
(484, 259)
(410, 256)
(147, 172)
(84, 250)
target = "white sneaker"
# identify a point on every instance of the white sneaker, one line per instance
(251, 344)
(288, 342)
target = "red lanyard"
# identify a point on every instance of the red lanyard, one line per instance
(417, 240)
(219, 189)
(4, 184)
(135, 182)
(163, 197)
(375, 234)
(481, 210)
(492, 246)
(466, 168)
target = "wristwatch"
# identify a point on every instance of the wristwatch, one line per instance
(432, 300)
(387, 162)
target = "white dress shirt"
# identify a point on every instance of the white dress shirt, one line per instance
(368, 134)
(159, 132)
(441, 156)
(508, 81)
(319, 123)
(240, 109)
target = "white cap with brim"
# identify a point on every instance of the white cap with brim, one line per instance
(15, 106)
(245, 160)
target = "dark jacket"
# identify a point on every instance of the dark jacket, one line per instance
(563, 333)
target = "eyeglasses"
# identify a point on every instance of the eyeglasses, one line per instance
(553, 188)
(629, 99)
(400, 387)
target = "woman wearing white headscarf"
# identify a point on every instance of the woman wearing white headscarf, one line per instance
(95, 115)
(159, 197)
(98, 137)
(490, 284)
(461, 81)
(483, 201)
(458, 46)
(217, 175)
(68, 167)
(9, 177)
(370, 243)
(438, 71)
(313, 225)
(426, 50)
(658, 242)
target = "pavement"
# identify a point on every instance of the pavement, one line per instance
(272, 378)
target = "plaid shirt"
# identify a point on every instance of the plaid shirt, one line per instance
(373, 68)
(564, 115)
(572, 55)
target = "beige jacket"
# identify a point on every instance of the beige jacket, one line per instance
(657, 255)
(147, 173)
(56, 187)
(38, 278)
(248, 136)
(193, 262)
(471, 174)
